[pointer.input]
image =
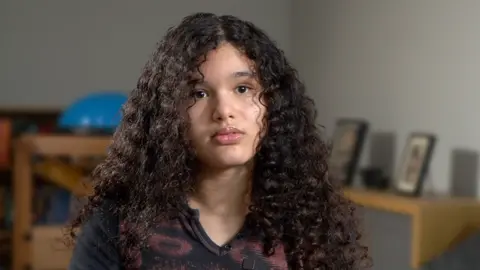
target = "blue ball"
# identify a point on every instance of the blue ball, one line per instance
(96, 111)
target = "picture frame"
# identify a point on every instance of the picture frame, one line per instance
(347, 144)
(414, 164)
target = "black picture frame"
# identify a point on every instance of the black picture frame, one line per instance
(347, 145)
(411, 172)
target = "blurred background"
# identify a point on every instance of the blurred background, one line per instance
(403, 67)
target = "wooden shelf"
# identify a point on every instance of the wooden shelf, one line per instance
(29, 110)
(29, 241)
(60, 145)
(438, 222)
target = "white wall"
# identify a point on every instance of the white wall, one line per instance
(54, 51)
(404, 65)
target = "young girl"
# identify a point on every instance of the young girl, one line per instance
(217, 164)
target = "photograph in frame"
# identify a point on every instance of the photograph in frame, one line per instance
(347, 143)
(414, 164)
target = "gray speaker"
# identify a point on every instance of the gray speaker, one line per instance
(464, 173)
(382, 151)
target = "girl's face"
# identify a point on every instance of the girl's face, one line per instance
(227, 115)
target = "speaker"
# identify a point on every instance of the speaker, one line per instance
(464, 173)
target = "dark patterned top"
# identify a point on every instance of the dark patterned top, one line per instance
(178, 245)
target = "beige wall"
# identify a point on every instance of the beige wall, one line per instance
(54, 51)
(404, 65)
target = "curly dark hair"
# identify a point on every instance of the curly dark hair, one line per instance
(149, 170)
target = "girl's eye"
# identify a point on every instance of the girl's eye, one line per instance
(199, 94)
(242, 89)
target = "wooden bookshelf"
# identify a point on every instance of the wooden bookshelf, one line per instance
(36, 247)
(438, 222)
(11, 121)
